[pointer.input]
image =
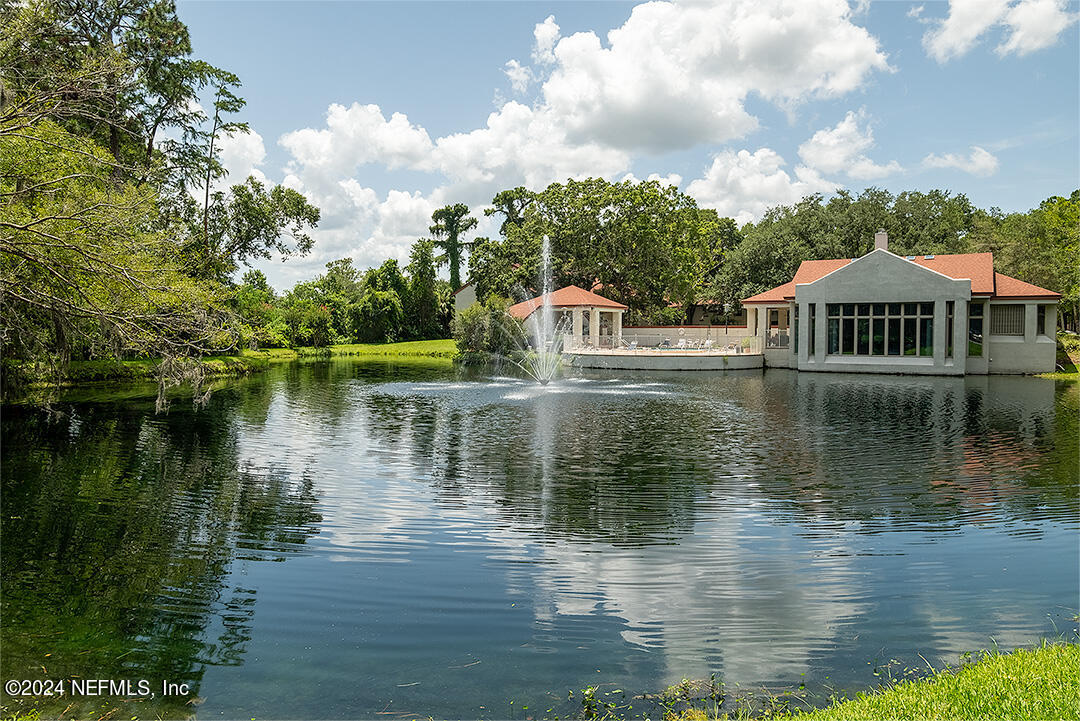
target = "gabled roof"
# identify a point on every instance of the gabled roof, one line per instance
(462, 287)
(569, 297)
(976, 267)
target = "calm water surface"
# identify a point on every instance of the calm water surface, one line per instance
(360, 539)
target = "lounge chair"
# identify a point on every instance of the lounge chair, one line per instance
(682, 343)
(708, 344)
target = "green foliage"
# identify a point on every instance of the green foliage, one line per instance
(485, 329)
(647, 244)
(450, 223)
(105, 254)
(84, 271)
(1027, 684)
(247, 223)
(422, 300)
(379, 316)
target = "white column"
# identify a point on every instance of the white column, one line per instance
(576, 326)
(1031, 315)
(617, 327)
(594, 327)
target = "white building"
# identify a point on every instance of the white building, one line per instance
(464, 297)
(883, 313)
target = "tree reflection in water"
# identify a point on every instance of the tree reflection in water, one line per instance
(121, 532)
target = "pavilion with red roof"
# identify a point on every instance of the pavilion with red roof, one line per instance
(602, 316)
(928, 314)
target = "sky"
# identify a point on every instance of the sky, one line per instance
(381, 112)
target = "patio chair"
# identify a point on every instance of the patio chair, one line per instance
(708, 344)
(633, 345)
(682, 343)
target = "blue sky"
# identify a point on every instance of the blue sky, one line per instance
(381, 112)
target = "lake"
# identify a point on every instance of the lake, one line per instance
(367, 539)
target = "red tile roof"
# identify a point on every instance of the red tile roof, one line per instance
(976, 267)
(1007, 287)
(811, 270)
(779, 294)
(569, 297)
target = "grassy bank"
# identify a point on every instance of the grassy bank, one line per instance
(20, 384)
(79, 372)
(444, 348)
(1025, 685)
(1068, 358)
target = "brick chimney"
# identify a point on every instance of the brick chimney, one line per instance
(881, 240)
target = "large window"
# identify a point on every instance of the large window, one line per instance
(879, 329)
(975, 329)
(795, 329)
(949, 324)
(813, 327)
(1040, 320)
(1007, 319)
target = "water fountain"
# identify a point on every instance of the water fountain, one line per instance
(539, 340)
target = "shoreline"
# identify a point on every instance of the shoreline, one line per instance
(81, 374)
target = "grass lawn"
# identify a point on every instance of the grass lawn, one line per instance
(1068, 357)
(144, 370)
(443, 348)
(1025, 685)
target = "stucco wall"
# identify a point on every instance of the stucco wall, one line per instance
(664, 360)
(1029, 353)
(881, 277)
(464, 298)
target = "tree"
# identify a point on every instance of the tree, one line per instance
(340, 289)
(151, 85)
(451, 222)
(421, 308)
(252, 222)
(511, 204)
(225, 101)
(645, 244)
(83, 270)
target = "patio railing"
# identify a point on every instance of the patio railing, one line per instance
(717, 343)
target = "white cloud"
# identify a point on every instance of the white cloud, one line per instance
(519, 76)
(1033, 25)
(980, 162)
(675, 75)
(665, 180)
(743, 185)
(241, 155)
(545, 35)
(960, 30)
(357, 135)
(522, 145)
(843, 149)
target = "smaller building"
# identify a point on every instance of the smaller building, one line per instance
(594, 320)
(464, 297)
(883, 313)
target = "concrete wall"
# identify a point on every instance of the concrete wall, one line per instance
(1029, 353)
(664, 360)
(464, 298)
(884, 278)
